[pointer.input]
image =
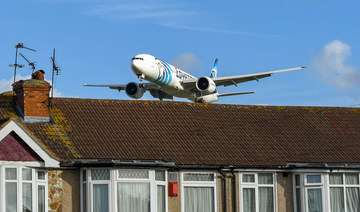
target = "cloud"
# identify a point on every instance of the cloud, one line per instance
(187, 62)
(331, 64)
(6, 84)
(154, 12)
(165, 14)
(215, 30)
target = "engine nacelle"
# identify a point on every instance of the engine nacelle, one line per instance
(134, 90)
(208, 98)
(206, 85)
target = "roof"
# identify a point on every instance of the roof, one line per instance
(199, 134)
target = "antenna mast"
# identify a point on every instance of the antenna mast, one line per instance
(15, 65)
(55, 69)
(32, 64)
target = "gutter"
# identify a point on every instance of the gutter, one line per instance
(100, 162)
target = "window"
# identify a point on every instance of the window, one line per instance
(124, 190)
(309, 192)
(22, 189)
(257, 192)
(198, 192)
(344, 192)
(100, 180)
(333, 192)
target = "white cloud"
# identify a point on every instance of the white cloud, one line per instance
(187, 62)
(6, 84)
(331, 64)
(144, 10)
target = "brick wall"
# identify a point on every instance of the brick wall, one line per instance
(33, 99)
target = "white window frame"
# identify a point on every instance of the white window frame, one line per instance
(325, 186)
(112, 183)
(343, 186)
(304, 186)
(212, 184)
(256, 186)
(19, 186)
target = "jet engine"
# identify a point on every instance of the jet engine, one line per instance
(134, 90)
(206, 85)
(208, 98)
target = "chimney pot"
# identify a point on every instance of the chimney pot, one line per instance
(39, 75)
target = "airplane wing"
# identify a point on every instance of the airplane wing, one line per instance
(234, 80)
(154, 89)
(120, 87)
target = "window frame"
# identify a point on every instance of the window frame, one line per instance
(304, 186)
(343, 186)
(255, 185)
(213, 184)
(113, 184)
(35, 182)
(324, 185)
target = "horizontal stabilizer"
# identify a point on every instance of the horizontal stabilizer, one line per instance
(237, 93)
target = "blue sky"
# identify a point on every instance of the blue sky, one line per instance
(96, 39)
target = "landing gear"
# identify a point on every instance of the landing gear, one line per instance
(141, 77)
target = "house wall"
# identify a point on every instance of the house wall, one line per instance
(284, 192)
(229, 192)
(174, 203)
(55, 189)
(71, 190)
(64, 190)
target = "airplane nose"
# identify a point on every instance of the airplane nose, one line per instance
(136, 66)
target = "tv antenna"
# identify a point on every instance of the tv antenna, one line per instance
(15, 65)
(55, 71)
(32, 64)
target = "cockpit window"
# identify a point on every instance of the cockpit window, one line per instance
(137, 58)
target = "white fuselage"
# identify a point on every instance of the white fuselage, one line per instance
(168, 77)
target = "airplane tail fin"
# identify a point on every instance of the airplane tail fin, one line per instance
(214, 69)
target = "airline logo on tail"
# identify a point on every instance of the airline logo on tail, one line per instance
(214, 69)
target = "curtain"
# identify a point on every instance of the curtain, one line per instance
(266, 198)
(10, 196)
(248, 178)
(199, 199)
(336, 179)
(315, 200)
(265, 178)
(249, 199)
(133, 197)
(41, 198)
(161, 198)
(352, 200)
(337, 199)
(352, 179)
(27, 197)
(100, 198)
(10, 174)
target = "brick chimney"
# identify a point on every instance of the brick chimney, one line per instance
(32, 98)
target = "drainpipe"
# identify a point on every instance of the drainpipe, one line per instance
(233, 183)
(223, 185)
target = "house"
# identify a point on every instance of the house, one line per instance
(71, 154)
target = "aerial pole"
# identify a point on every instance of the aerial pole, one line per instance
(56, 69)
(15, 65)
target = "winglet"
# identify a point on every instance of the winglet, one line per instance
(214, 69)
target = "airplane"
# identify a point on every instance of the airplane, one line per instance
(167, 81)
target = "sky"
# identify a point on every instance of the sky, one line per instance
(96, 39)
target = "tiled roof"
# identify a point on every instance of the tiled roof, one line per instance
(200, 134)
